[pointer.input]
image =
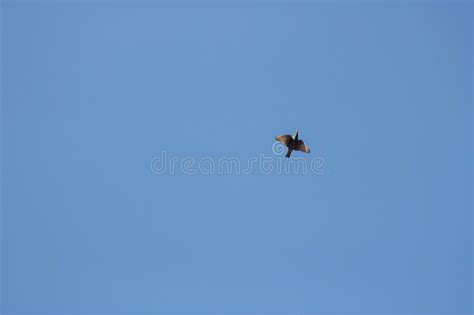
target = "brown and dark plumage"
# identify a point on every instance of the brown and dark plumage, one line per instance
(293, 143)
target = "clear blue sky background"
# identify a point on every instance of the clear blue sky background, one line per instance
(93, 90)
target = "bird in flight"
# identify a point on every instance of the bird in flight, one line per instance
(293, 143)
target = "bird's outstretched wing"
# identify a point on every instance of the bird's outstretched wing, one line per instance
(285, 139)
(301, 146)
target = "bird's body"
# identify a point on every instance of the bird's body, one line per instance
(293, 144)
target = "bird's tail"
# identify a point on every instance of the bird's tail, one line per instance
(288, 153)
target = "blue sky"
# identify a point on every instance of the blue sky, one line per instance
(92, 91)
